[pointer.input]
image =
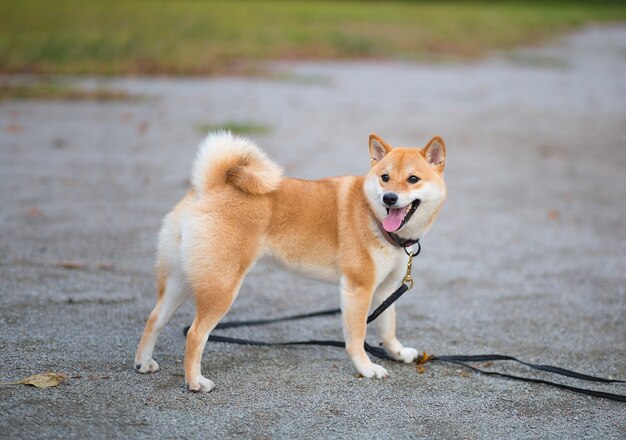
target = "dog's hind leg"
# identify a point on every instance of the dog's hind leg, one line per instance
(215, 266)
(172, 293)
(213, 300)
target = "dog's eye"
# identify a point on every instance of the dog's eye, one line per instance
(414, 179)
(385, 177)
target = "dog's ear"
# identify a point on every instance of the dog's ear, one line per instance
(378, 149)
(435, 153)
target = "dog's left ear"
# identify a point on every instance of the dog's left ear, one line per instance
(378, 149)
(435, 153)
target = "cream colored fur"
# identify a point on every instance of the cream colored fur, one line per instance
(246, 165)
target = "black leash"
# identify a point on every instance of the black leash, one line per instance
(374, 351)
(380, 353)
(462, 360)
(380, 309)
(231, 324)
(556, 370)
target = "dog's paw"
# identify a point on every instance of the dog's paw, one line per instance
(373, 371)
(201, 385)
(406, 355)
(149, 366)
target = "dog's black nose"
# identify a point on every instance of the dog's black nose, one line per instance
(390, 199)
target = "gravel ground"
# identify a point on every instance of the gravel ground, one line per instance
(527, 257)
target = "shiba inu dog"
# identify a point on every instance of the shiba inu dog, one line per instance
(350, 230)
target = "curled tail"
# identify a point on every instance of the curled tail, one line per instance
(224, 158)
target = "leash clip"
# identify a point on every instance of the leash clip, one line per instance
(408, 280)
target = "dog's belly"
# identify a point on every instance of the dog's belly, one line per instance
(319, 272)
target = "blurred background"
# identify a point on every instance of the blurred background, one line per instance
(167, 37)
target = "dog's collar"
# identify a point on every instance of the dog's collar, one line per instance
(395, 240)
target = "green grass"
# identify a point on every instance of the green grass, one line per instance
(202, 37)
(237, 127)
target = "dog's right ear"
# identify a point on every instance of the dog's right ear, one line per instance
(378, 149)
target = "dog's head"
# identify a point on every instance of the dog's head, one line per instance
(405, 186)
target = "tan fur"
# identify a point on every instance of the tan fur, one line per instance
(241, 208)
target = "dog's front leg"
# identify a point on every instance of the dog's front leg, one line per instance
(355, 303)
(386, 322)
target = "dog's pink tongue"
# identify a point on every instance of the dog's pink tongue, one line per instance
(394, 219)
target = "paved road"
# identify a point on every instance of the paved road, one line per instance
(527, 258)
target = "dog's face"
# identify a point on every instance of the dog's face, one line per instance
(405, 186)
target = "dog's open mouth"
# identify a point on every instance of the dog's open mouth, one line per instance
(397, 217)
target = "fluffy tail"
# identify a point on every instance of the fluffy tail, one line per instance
(224, 158)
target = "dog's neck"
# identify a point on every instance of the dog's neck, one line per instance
(394, 239)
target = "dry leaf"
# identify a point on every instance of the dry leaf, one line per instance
(44, 380)
(423, 358)
(41, 380)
